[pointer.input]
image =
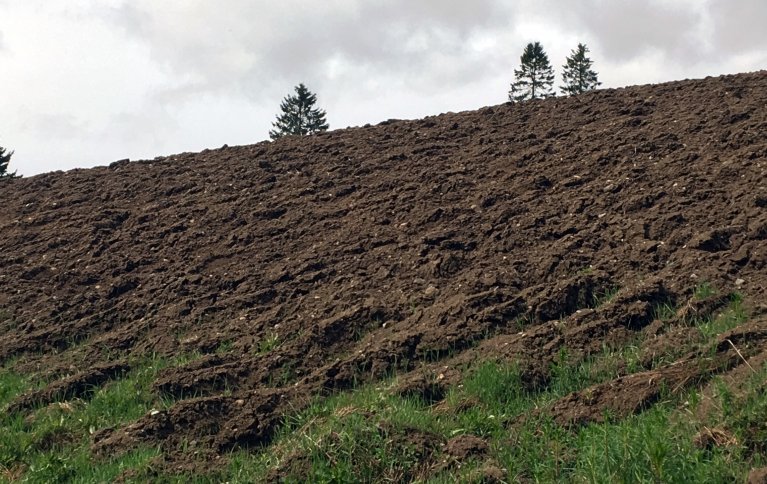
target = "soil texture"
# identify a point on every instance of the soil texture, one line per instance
(310, 265)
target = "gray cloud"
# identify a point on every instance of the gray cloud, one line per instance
(257, 49)
(54, 125)
(257, 46)
(625, 29)
(739, 26)
(104, 80)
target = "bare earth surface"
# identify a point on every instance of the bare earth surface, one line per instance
(310, 265)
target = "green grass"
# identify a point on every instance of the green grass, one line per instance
(357, 436)
(225, 347)
(733, 315)
(704, 290)
(338, 439)
(708, 327)
(51, 443)
(371, 434)
(268, 343)
(664, 311)
(657, 445)
(604, 296)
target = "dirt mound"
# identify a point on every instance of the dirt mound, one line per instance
(310, 265)
(75, 386)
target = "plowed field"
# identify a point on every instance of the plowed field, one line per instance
(291, 270)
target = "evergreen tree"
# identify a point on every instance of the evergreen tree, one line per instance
(299, 117)
(535, 76)
(577, 73)
(5, 158)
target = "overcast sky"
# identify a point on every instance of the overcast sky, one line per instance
(87, 82)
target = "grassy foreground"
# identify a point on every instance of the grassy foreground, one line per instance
(51, 444)
(372, 435)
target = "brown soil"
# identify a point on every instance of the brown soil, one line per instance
(758, 476)
(465, 446)
(459, 451)
(309, 265)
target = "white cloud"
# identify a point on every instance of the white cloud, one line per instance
(90, 81)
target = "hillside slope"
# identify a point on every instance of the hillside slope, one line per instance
(313, 265)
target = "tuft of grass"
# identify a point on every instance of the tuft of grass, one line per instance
(268, 343)
(11, 386)
(322, 443)
(225, 347)
(742, 413)
(664, 311)
(604, 296)
(586, 270)
(524, 321)
(734, 315)
(704, 290)
(284, 375)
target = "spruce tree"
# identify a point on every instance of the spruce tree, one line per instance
(577, 73)
(299, 117)
(5, 158)
(535, 76)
